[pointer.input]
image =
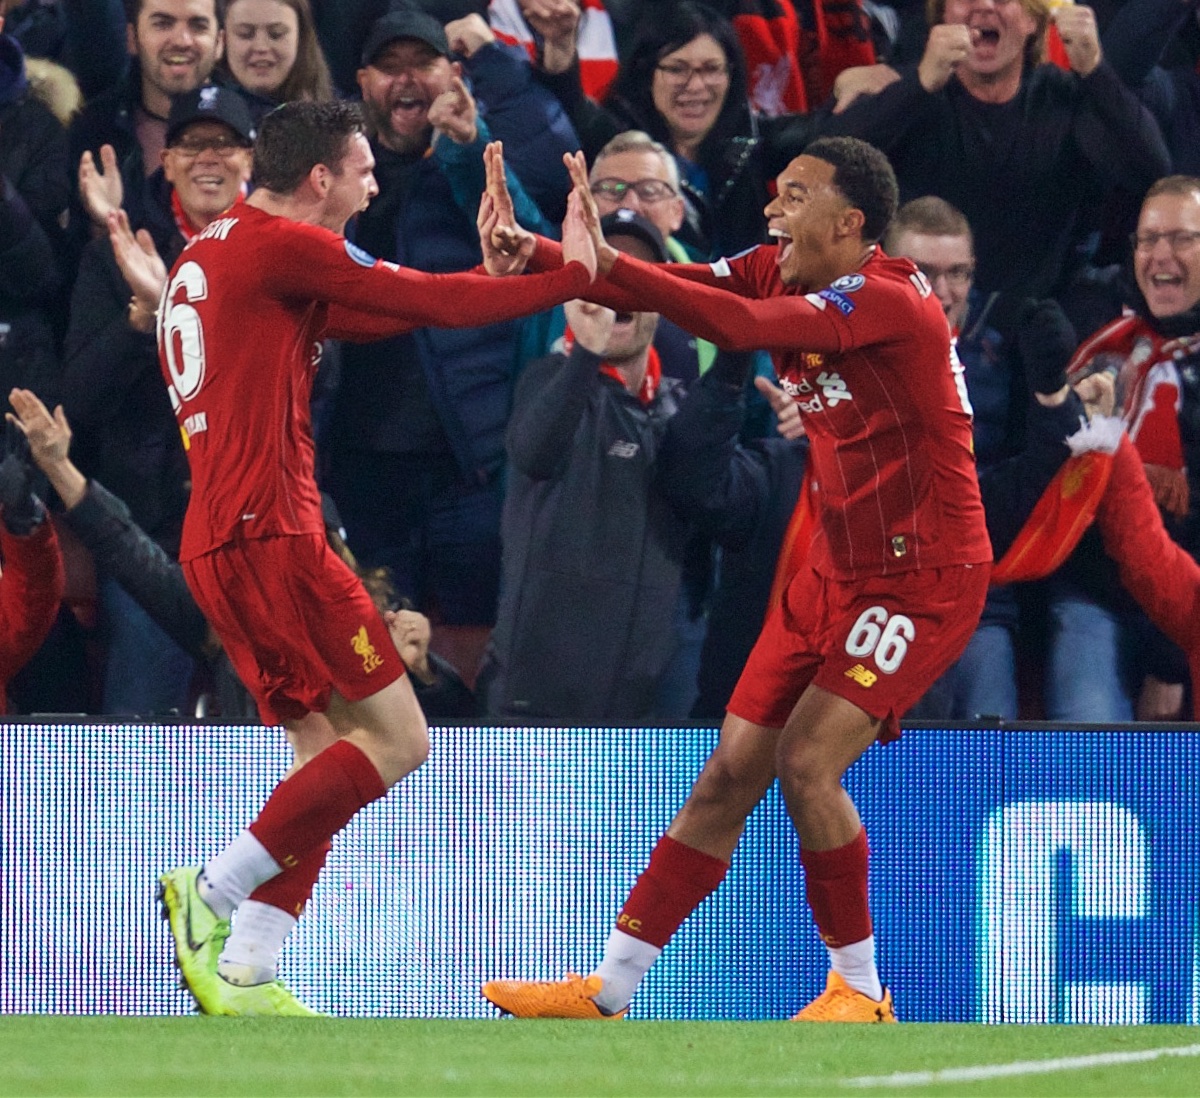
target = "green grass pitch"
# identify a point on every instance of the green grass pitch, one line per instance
(328, 1056)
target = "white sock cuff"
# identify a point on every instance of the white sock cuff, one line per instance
(625, 949)
(239, 869)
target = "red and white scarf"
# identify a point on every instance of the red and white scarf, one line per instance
(597, 45)
(1148, 387)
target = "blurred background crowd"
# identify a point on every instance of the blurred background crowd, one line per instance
(551, 542)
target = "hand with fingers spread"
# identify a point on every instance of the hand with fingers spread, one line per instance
(100, 186)
(49, 438)
(506, 245)
(454, 113)
(787, 412)
(140, 263)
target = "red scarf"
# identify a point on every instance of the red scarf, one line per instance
(651, 380)
(1047, 538)
(183, 223)
(1148, 387)
(770, 35)
(1058, 521)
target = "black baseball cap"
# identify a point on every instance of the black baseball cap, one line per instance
(210, 103)
(404, 24)
(627, 222)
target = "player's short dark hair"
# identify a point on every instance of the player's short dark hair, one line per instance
(864, 176)
(294, 138)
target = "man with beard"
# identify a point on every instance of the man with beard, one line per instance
(416, 440)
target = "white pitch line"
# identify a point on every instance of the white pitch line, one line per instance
(1018, 1067)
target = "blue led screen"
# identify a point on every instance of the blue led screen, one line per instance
(1017, 875)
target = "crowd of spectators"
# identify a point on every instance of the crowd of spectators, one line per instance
(588, 515)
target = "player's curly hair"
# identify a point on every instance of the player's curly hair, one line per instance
(864, 176)
(295, 137)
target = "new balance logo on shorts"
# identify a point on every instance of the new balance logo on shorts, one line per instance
(862, 676)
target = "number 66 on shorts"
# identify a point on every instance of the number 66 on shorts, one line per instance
(879, 642)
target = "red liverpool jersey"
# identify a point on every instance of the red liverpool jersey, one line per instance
(239, 333)
(868, 360)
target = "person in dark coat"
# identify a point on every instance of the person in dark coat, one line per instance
(34, 192)
(414, 450)
(593, 551)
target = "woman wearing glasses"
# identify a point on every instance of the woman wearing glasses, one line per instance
(684, 82)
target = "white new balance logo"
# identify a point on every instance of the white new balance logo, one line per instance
(623, 449)
(833, 388)
(833, 392)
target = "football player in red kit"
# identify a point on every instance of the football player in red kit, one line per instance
(240, 324)
(887, 598)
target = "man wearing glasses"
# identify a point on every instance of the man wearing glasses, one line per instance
(1153, 351)
(637, 173)
(112, 391)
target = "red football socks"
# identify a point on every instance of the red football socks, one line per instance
(835, 883)
(316, 802)
(291, 890)
(670, 888)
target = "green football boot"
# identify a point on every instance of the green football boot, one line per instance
(198, 933)
(259, 1000)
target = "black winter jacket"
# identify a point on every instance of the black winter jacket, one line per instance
(34, 191)
(592, 550)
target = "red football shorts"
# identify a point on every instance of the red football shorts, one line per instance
(296, 623)
(879, 643)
